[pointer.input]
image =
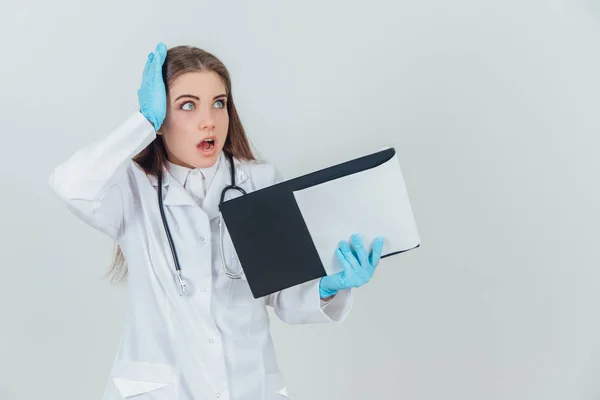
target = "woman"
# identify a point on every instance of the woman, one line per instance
(213, 343)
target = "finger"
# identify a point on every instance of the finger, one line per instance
(365, 270)
(377, 249)
(158, 63)
(345, 264)
(148, 64)
(360, 251)
(347, 253)
(357, 274)
(161, 52)
(159, 59)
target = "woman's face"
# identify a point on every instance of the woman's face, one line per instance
(196, 124)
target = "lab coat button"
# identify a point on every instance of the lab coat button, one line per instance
(211, 340)
(203, 289)
(202, 238)
(218, 395)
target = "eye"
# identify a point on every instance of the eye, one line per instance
(188, 106)
(220, 103)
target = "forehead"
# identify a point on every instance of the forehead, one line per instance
(198, 83)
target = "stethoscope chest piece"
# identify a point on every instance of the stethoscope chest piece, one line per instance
(183, 285)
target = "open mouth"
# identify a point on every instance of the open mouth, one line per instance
(207, 144)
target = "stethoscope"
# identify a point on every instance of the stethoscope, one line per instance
(182, 283)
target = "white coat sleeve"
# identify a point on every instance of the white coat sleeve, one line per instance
(93, 182)
(302, 304)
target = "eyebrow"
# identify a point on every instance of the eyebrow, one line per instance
(198, 98)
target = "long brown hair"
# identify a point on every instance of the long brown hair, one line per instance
(152, 159)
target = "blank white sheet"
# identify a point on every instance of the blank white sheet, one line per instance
(372, 203)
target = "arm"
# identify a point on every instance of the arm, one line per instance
(328, 299)
(93, 181)
(301, 304)
(296, 305)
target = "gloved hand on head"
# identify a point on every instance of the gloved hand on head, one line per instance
(152, 94)
(358, 265)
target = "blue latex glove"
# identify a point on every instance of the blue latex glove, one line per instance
(152, 94)
(358, 266)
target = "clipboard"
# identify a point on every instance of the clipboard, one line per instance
(286, 234)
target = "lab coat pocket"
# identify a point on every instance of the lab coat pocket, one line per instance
(276, 387)
(146, 381)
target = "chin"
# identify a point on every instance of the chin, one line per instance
(206, 161)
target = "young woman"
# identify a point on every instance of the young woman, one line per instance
(213, 341)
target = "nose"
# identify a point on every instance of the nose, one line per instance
(207, 121)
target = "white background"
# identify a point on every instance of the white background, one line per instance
(493, 108)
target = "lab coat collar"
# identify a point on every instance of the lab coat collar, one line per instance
(174, 194)
(181, 173)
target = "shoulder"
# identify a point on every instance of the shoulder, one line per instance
(262, 173)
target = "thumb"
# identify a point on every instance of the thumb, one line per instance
(331, 282)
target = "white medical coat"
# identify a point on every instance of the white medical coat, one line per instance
(216, 343)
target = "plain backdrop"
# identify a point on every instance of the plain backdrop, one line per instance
(492, 106)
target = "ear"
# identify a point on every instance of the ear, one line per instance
(159, 132)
